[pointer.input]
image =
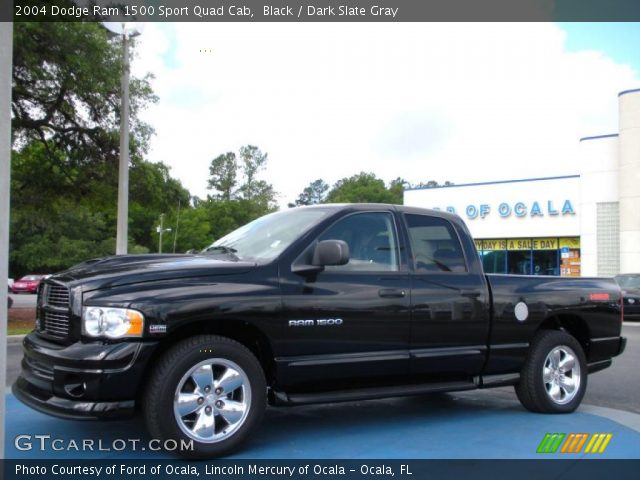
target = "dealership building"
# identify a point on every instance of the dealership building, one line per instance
(584, 224)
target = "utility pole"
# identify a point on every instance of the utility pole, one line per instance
(122, 233)
(127, 30)
(175, 236)
(160, 231)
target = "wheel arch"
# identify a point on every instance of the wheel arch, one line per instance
(242, 332)
(573, 324)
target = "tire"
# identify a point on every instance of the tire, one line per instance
(554, 376)
(223, 391)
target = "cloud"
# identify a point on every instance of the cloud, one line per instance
(458, 102)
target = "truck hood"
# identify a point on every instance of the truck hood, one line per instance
(121, 270)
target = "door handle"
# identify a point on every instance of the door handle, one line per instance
(391, 292)
(470, 293)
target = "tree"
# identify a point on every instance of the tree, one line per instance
(223, 173)
(66, 92)
(225, 170)
(362, 188)
(397, 188)
(252, 189)
(314, 193)
(65, 122)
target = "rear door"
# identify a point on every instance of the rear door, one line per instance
(450, 303)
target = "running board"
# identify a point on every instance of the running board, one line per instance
(284, 399)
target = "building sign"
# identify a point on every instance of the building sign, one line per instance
(524, 244)
(517, 209)
(570, 257)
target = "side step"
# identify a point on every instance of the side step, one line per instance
(285, 399)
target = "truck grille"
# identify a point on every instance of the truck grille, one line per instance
(54, 313)
(56, 324)
(57, 295)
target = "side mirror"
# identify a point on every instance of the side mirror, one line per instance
(330, 252)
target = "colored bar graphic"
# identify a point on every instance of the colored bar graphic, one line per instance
(573, 442)
(550, 443)
(598, 443)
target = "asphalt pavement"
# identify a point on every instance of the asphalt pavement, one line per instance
(24, 300)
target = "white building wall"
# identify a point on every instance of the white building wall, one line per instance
(550, 195)
(608, 185)
(629, 181)
(598, 184)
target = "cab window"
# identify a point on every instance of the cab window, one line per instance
(435, 245)
(372, 242)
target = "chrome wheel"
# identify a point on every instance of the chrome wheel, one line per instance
(561, 375)
(212, 400)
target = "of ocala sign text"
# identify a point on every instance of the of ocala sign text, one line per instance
(517, 209)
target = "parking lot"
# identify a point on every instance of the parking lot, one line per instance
(476, 424)
(23, 300)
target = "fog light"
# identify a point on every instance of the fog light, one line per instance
(75, 389)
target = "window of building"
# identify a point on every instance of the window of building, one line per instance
(531, 256)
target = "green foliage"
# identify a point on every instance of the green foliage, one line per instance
(65, 125)
(363, 188)
(239, 197)
(314, 193)
(223, 172)
(65, 121)
(66, 92)
(397, 187)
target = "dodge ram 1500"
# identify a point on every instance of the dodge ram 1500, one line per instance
(316, 304)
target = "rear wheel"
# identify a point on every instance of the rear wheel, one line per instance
(554, 377)
(207, 390)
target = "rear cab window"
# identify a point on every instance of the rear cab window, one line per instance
(435, 245)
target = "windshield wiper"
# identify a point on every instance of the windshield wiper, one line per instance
(222, 249)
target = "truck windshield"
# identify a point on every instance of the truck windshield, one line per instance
(266, 237)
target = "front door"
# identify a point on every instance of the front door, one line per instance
(349, 324)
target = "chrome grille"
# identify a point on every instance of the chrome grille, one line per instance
(56, 324)
(57, 295)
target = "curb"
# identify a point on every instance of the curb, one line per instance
(15, 339)
(623, 417)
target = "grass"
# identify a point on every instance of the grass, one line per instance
(21, 320)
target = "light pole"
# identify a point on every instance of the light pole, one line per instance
(160, 231)
(6, 60)
(127, 31)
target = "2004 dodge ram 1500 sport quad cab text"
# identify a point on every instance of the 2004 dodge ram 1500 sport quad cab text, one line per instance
(315, 304)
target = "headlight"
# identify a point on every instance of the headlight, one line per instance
(112, 322)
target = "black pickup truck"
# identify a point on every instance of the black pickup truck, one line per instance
(315, 304)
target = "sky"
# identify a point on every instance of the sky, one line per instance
(423, 101)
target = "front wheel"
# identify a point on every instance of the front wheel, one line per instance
(554, 377)
(207, 391)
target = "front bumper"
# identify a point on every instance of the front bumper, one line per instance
(82, 380)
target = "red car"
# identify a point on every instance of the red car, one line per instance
(27, 284)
